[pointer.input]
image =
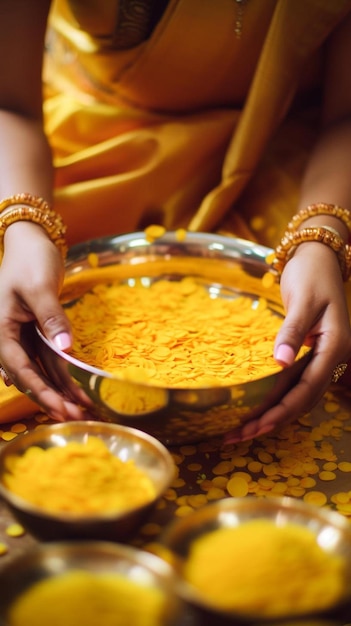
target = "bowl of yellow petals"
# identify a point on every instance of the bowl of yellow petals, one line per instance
(84, 480)
(173, 335)
(262, 561)
(92, 583)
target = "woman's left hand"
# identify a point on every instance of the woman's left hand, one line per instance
(316, 315)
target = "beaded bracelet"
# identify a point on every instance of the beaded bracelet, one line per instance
(321, 208)
(25, 207)
(321, 234)
(24, 198)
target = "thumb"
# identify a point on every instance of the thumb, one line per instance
(289, 340)
(54, 324)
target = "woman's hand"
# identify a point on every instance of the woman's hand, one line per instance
(30, 279)
(316, 315)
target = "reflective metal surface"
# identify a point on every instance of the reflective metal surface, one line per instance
(56, 559)
(148, 454)
(333, 533)
(228, 266)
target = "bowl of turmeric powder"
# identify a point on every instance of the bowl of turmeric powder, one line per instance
(84, 480)
(92, 583)
(262, 560)
(173, 334)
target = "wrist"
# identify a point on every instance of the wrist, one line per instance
(36, 211)
(333, 223)
(322, 223)
(323, 213)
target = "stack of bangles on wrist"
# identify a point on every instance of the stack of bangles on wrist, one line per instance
(26, 207)
(322, 234)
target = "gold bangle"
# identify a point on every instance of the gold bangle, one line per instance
(321, 234)
(24, 198)
(321, 208)
(330, 228)
(24, 207)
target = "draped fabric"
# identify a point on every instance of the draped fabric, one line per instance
(174, 129)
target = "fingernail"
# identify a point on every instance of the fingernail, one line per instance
(230, 440)
(284, 354)
(264, 430)
(62, 341)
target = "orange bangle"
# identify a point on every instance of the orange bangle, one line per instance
(321, 208)
(321, 234)
(25, 207)
(24, 198)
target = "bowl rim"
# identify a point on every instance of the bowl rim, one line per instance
(27, 507)
(249, 249)
(100, 546)
(42, 558)
(269, 503)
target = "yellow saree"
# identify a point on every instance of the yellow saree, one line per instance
(173, 133)
(192, 127)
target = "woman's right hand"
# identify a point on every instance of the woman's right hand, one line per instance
(31, 275)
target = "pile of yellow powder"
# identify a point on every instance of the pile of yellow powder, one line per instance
(174, 334)
(79, 477)
(80, 597)
(262, 569)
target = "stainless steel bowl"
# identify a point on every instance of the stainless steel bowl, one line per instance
(229, 267)
(54, 560)
(148, 454)
(332, 531)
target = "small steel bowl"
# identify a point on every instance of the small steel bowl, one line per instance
(54, 560)
(227, 267)
(332, 531)
(148, 454)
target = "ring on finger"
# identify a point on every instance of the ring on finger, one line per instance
(4, 376)
(338, 371)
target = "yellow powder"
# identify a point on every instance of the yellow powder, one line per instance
(80, 597)
(83, 478)
(263, 569)
(173, 334)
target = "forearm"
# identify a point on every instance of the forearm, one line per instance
(25, 160)
(25, 167)
(25, 157)
(328, 174)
